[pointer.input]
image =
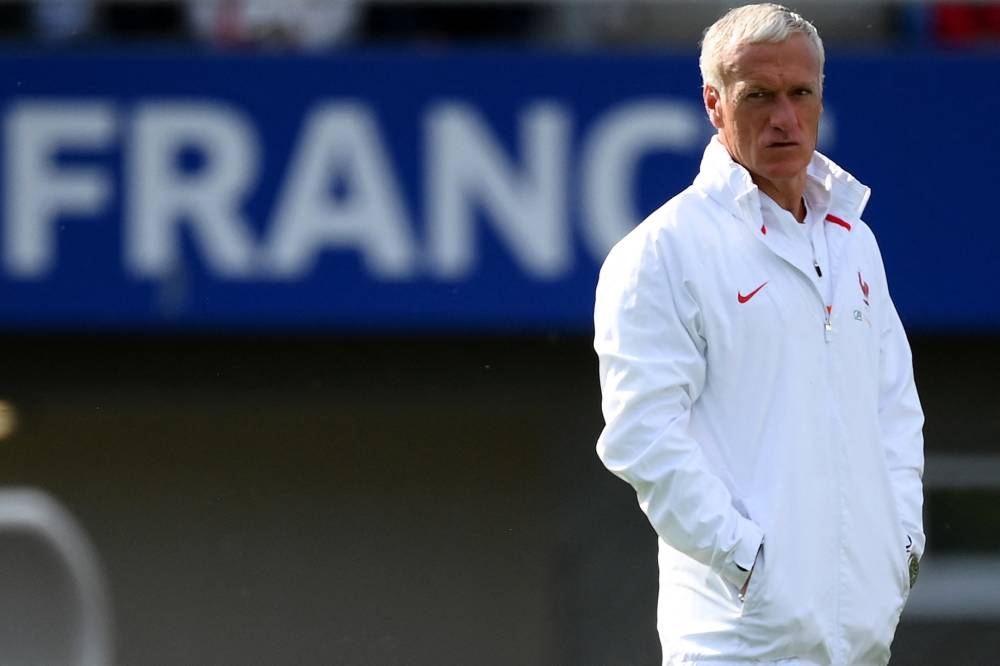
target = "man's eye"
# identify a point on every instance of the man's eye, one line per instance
(803, 92)
(756, 94)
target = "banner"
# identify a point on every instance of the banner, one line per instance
(445, 191)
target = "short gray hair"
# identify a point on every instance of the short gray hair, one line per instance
(765, 23)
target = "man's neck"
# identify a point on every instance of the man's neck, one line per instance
(787, 194)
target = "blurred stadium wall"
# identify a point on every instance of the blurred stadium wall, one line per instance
(297, 323)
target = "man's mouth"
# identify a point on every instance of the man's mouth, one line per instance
(783, 144)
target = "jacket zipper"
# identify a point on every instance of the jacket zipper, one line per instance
(828, 310)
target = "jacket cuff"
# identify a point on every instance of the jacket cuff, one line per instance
(915, 546)
(741, 560)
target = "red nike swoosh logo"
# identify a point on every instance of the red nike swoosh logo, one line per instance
(743, 299)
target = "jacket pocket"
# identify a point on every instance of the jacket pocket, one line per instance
(757, 576)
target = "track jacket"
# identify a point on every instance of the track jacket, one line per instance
(751, 415)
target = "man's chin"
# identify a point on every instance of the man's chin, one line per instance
(785, 170)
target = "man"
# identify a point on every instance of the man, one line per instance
(757, 384)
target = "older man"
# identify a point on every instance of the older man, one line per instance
(758, 386)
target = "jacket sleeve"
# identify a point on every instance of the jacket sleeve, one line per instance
(652, 370)
(901, 419)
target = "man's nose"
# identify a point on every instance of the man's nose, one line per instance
(783, 113)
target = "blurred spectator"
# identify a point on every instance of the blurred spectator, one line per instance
(966, 23)
(146, 20)
(323, 24)
(307, 24)
(455, 21)
(15, 19)
(680, 23)
(63, 20)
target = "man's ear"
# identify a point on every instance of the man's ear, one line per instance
(713, 102)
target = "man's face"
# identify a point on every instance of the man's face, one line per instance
(770, 117)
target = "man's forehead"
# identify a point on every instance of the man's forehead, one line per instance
(794, 59)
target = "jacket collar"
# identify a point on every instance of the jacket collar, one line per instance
(730, 185)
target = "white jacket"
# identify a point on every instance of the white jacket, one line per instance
(745, 415)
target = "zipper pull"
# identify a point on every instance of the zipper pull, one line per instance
(828, 323)
(816, 266)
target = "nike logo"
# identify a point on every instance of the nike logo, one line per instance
(743, 299)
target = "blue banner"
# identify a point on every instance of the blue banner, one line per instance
(435, 191)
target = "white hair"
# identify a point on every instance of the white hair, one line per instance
(765, 23)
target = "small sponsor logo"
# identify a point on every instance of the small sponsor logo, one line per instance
(743, 299)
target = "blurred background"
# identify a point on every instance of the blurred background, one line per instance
(295, 309)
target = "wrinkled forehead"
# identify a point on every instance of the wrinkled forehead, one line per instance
(792, 61)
